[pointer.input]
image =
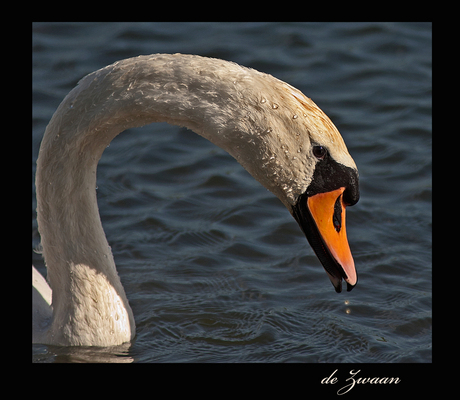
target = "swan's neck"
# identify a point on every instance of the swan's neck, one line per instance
(89, 303)
(212, 97)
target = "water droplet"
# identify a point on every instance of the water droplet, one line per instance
(263, 101)
(275, 106)
(294, 116)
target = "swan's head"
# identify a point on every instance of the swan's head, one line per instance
(320, 212)
(334, 185)
(305, 162)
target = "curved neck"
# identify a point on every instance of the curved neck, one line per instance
(226, 103)
(87, 292)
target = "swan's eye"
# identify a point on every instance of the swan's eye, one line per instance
(319, 152)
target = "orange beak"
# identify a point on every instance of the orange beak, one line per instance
(328, 212)
(322, 219)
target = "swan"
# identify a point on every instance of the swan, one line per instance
(275, 132)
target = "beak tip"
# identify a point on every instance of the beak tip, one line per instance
(337, 283)
(350, 287)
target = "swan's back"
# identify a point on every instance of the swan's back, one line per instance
(42, 311)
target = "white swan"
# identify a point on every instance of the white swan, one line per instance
(279, 135)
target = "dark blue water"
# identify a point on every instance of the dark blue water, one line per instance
(214, 266)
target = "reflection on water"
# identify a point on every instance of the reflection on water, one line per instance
(55, 354)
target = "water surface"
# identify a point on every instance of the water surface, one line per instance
(214, 266)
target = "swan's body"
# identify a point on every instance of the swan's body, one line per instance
(270, 127)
